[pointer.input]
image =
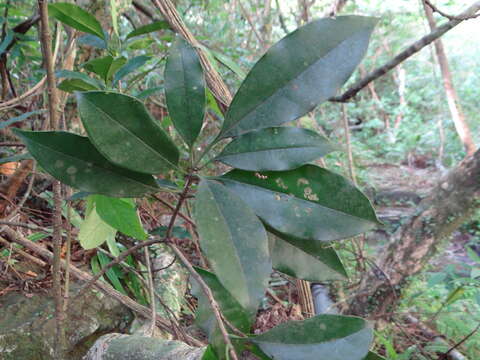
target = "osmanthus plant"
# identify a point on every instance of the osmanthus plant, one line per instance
(274, 210)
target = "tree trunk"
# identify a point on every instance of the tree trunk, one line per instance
(448, 206)
(456, 112)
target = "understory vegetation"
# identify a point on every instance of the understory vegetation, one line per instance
(260, 179)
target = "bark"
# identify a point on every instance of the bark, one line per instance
(449, 205)
(456, 112)
(336, 7)
(214, 81)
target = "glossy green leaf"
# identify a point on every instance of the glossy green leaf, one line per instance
(73, 160)
(278, 148)
(76, 17)
(302, 70)
(19, 118)
(235, 243)
(155, 26)
(121, 128)
(334, 336)
(185, 90)
(304, 259)
(309, 203)
(230, 307)
(76, 75)
(121, 214)
(72, 85)
(94, 231)
(105, 67)
(131, 65)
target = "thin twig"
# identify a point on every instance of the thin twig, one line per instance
(208, 293)
(122, 256)
(405, 54)
(151, 289)
(68, 245)
(250, 22)
(171, 207)
(463, 340)
(23, 253)
(13, 144)
(448, 16)
(100, 285)
(25, 225)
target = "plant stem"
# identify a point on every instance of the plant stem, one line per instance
(208, 293)
(60, 339)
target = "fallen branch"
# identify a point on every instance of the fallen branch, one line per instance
(103, 287)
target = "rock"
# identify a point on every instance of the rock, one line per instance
(170, 282)
(134, 347)
(27, 325)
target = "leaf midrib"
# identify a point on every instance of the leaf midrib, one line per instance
(280, 87)
(94, 165)
(79, 22)
(270, 149)
(133, 134)
(231, 239)
(303, 200)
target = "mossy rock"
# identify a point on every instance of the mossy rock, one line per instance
(27, 325)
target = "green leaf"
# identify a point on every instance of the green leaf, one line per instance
(6, 41)
(15, 158)
(105, 67)
(131, 65)
(278, 148)
(93, 40)
(185, 90)
(454, 295)
(229, 63)
(73, 160)
(121, 214)
(155, 26)
(111, 273)
(230, 307)
(373, 356)
(19, 118)
(302, 70)
(76, 17)
(148, 92)
(78, 76)
(72, 85)
(209, 354)
(308, 203)
(121, 128)
(235, 243)
(304, 259)
(341, 337)
(94, 231)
